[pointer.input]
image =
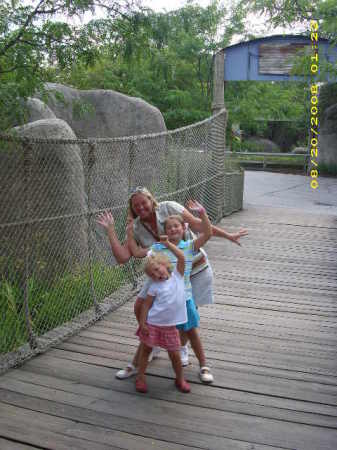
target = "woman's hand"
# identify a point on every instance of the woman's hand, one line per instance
(106, 220)
(196, 207)
(235, 237)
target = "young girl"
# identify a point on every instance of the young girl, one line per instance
(163, 309)
(174, 228)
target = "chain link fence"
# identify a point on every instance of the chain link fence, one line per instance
(56, 267)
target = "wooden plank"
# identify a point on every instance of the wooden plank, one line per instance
(271, 353)
(147, 428)
(243, 340)
(224, 355)
(48, 440)
(219, 399)
(183, 417)
(270, 340)
(14, 445)
(88, 432)
(285, 387)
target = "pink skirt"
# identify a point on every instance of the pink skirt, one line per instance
(165, 337)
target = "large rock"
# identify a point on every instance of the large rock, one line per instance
(43, 192)
(37, 110)
(103, 113)
(258, 144)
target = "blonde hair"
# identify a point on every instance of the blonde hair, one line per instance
(157, 258)
(143, 191)
(175, 217)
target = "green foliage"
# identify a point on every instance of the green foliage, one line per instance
(330, 169)
(288, 12)
(164, 58)
(327, 96)
(251, 104)
(33, 37)
(51, 305)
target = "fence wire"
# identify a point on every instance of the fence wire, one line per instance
(57, 270)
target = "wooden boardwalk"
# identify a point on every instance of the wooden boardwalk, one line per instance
(270, 339)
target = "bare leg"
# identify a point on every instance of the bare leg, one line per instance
(136, 358)
(196, 344)
(143, 361)
(176, 364)
(183, 337)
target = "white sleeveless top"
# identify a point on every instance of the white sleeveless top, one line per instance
(169, 305)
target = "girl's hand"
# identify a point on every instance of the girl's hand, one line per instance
(144, 329)
(196, 207)
(164, 239)
(234, 237)
(106, 220)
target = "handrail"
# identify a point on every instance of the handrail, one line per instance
(306, 156)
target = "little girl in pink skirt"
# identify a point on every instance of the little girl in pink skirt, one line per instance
(163, 309)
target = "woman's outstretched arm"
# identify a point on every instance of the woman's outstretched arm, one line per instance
(120, 251)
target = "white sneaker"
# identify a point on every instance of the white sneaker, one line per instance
(184, 355)
(128, 372)
(206, 375)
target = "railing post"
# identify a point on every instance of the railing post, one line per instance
(218, 81)
(132, 159)
(91, 162)
(217, 141)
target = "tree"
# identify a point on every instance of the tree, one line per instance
(48, 33)
(165, 58)
(291, 12)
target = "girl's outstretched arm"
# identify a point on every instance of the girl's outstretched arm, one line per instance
(195, 224)
(120, 251)
(206, 226)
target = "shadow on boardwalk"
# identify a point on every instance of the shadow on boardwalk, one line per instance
(270, 339)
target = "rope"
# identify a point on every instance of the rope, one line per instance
(55, 260)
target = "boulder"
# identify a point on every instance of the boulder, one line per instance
(258, 144)
(37, 110)
(103, 113)
(43, 191)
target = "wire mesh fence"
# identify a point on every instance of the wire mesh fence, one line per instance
(56, 266)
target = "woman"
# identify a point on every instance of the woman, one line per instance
(149, 218)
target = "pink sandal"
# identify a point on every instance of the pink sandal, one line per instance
(141, 386)
(183, 386)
